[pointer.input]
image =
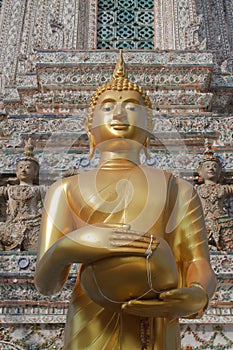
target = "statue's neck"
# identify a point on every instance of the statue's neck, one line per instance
(120, 151)
(210, 182)
(23, 183)
(119, 158)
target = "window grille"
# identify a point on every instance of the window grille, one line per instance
(125, 24)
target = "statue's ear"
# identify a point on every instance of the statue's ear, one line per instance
(200, 174)
(86, 125)
(146, 147)
(91, 138)
(37, 168)
(92, 145)
(152, 124)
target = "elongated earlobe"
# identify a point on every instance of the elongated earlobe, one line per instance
(92, 145)
(146, 147)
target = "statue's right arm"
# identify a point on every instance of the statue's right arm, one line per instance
(51, 272)
(62, 244)
(3, 192)
(229, 190)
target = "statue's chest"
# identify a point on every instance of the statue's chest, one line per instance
(23, 200)
(134, 198)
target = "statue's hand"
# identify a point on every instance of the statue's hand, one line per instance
(95, 242)
(133, 241)
(174, 303)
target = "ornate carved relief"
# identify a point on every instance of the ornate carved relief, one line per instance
(10, 37)
(219, 29)
(192, 35)
(176, 25)
(35, 24)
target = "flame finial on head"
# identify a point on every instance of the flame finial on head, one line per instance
(28, 149)
(119, 71)
(209, 154)
(28, 153)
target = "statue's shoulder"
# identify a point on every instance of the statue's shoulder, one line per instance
(70, 173)
(170, 178)
(68, 181)
(64, 182)
(185, 190)
(184, 183)
(157, 173)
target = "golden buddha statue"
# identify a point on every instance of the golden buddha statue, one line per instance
(138, 233)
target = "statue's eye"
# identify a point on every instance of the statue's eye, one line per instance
(131, 107)
(107, 107)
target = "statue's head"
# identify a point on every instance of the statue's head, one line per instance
(119, 109)
(27, 167)
(210, 167)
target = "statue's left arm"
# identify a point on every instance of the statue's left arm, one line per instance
(229, 190)
(186, 235)
(189, 240)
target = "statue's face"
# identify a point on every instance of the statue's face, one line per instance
(210, 170)
(120, 114)
(26, 171)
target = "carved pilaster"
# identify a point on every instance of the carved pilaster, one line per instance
(171, 21)
(11, 32)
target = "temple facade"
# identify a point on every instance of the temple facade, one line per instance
(53, 55)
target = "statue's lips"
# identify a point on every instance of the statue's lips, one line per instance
(117, 125)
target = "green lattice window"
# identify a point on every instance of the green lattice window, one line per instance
(125, 24)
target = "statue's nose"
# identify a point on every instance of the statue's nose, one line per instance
(212, 167)
(120, 113)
